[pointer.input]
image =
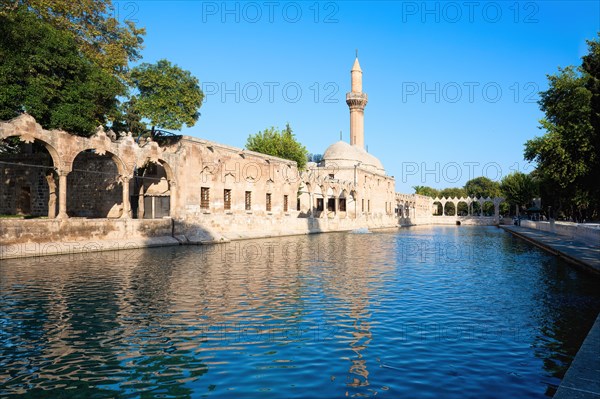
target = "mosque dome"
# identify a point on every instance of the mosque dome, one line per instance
(344, 154)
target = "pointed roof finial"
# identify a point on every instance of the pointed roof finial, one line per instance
(356, 66)
(340, 135)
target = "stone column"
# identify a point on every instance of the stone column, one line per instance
(62, 194)
(141, 204)
(173, 197)
(126, 205)
(51, 196)
(336, 205)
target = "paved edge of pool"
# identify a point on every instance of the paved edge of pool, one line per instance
(582, 379)
(29, 250)
(578, 253)
(52, 248)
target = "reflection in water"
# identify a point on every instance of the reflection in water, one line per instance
(425, 312)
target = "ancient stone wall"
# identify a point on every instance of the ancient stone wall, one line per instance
(93, 187)
(205, 189)
(24, 190)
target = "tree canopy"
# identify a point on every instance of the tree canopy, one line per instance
(281, 144)
(518, 189)
(477, 187)
(426, 190)
(99, 36)
(42, 73)
(167, 95)
(67, 64)
(482, 187)
(568, 154)
(453, 193)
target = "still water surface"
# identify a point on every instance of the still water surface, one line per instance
(440, 312)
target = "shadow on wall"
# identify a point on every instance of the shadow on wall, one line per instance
(93, 187)
(28, 186)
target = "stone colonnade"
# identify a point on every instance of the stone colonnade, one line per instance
(469, 201)
(64, 148)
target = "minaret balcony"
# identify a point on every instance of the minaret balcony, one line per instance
(356, 99)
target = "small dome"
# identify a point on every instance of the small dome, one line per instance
(345, 154)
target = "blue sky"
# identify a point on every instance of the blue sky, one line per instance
(452, 85)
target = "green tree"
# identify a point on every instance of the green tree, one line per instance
(425, 190)
(453, 192)
(43, 73)
(92, 24)
(518, 189)
(167, 95)
(568, 154)
(482, 187)
(129, 120)
(281, 144)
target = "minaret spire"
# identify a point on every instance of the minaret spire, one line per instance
(357, 100)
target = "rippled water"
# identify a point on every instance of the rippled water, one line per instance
(441, 312)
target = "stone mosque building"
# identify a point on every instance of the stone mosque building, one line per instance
(112, 191)
(351, 182)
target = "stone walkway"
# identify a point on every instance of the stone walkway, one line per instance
(580, 253)
(582, 380)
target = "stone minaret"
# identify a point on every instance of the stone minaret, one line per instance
(357, 100)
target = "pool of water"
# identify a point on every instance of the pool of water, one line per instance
(436, 312)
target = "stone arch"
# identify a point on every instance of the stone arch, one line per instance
(475, 206)
(319, 200)
(96, 186)
(304, 199)
(121, 166)
(449, 208)
(437, 209)
(488, 207)
(343, 202)
(29, 179)
(462, 208)
(153, 190)
(330, 204)
(56, 158)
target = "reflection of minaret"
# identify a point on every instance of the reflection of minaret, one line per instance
(357, 100)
